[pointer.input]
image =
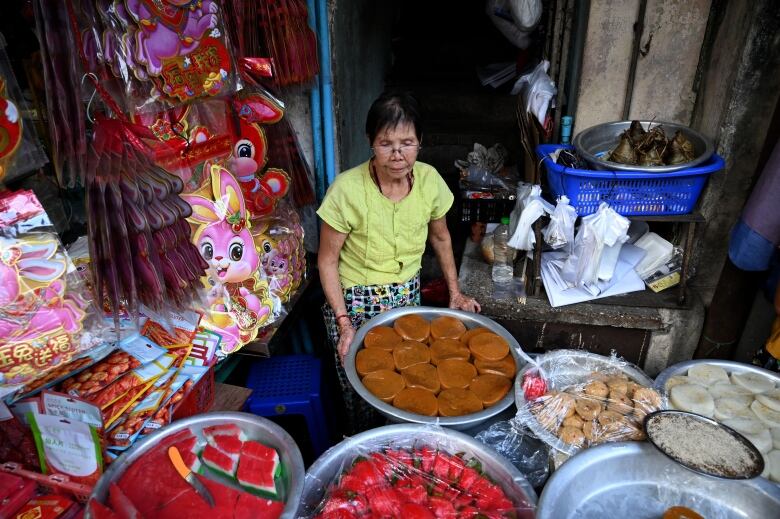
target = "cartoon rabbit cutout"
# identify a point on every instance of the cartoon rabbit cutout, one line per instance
(32, 295)
(225, 242)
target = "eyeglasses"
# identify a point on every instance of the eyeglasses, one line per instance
(386, 150)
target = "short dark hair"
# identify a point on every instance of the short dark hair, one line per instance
(391, 109)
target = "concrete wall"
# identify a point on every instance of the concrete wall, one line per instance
(666, 67)
(360, 41)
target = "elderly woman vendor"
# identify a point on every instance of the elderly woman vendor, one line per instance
(376, 219)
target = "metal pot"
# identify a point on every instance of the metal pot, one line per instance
(254, 427)
(597, 141)
(399, 415)
(681, 368)
(336, 459)
(633, 479)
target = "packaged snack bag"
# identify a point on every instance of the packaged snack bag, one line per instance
(67, 447)
(72, 408)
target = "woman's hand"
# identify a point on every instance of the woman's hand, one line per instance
(346, 334)
(459, 301)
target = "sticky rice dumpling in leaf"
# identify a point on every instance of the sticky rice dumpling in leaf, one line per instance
(624, 152)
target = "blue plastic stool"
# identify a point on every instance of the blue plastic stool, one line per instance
(290, 385)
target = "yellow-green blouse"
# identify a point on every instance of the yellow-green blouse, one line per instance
(385, 240)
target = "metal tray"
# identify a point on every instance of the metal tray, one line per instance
(633, 479)
(334, 460)
(254, 427)
(730, 366)
(598, 140)
(575, 366)
(398, 415)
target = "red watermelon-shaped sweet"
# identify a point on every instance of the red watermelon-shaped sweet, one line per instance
(227, 443)
(227, 429)
(219, 461)
(123, 507)
(253, 449)
(254, 507)
(258, 474)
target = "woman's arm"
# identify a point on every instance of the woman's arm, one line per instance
(439, 236)
(331, 242)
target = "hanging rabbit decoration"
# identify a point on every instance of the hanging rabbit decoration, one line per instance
(32, 291)
(235, 279)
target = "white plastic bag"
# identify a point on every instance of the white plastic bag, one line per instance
(523, 237)
(559, 233)
(538, 90)
(502, 14)
(603, 228)
(526, 13)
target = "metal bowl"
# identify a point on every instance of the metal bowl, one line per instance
(633, 479)
(597, 141)
(399, 415)
(681, 368)
(254, 427)
(336, 459)
(564, 368)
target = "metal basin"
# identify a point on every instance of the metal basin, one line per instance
(254, 427)
(336, 459)
(597, 141)
(563, 368)
(633, 479)
(399, 415)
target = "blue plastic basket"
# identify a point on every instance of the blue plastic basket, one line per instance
(630, 193)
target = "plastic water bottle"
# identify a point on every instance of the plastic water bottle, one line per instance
(503, 269)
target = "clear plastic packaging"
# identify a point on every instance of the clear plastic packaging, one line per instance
(559, 233)
(427, 470)
(573, 400)
(518, 445)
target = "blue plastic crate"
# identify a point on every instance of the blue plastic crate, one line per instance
(630, 193)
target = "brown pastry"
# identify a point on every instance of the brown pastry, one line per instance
(620, 403)
(412, 328)
(573, 421)
(417, 401)
(423, 376)
(382, 337)
(446, 327)
(617, 385)
(587, 409)
(488, 346)
(572, 436)
(456, 373)
(490, 388)
(466, 337)
(608, 417)
(505, 367)
(457, 402)
(597, 389)
(409, 353)
(373, 359)
(448, 349)
(384, 384)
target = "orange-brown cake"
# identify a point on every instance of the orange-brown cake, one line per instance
(418, 401)
(505, 367)
(409, 353)
(382, 337)
(384, 384)
(488, 346)
(412, 327)
(368, 360)
(457, 402)
(446, 327)
(490, 388)
(423, 376)
(466, 337)
(448, 349)
(456, 373)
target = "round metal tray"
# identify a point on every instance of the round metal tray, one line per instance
(597, 141)
(633, 479)
(659, 415)
(254, 427)
(730, 366)
(571, 367)
(399, 415)
(336, 459)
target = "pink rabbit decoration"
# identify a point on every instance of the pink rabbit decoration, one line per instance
(169, 28)
(33, 302)
(225, 242)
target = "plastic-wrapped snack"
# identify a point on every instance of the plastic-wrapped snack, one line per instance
(46, 318)
(588, 399)
(419, 471)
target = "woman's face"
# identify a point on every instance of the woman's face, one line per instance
(395, 151)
